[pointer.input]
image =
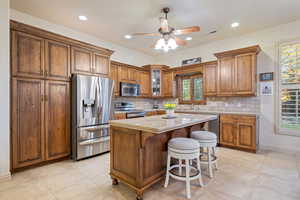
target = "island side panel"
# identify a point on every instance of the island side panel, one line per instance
(124, 154)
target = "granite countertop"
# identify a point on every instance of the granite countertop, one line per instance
(156, 124)
(217, 112)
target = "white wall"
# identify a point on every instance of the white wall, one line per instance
(121, 54)
(4, 89)
(268, 39)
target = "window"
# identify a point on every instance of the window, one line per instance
(191, 89)
(289, 89)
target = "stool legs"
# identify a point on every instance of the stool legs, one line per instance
(214, 153)
(168, 173)
(180, 167)
(199, 168)
(188, 184)
(209, 163)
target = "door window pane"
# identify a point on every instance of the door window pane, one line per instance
(198, 89)
(186, 90)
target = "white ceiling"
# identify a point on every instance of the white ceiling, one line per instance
(111, 19)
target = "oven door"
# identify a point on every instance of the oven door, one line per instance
(92, 141)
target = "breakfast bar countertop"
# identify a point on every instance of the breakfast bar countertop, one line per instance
(157, 124)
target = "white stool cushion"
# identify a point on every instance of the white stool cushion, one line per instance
(183, 144)
(203, 136)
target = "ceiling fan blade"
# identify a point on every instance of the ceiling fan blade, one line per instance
(180, 42)
(146, 34)
(187, 30)
(164, 24)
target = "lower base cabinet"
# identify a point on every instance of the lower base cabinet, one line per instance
(238, 131)
(40, 121)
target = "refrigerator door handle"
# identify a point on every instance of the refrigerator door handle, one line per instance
(94, 141)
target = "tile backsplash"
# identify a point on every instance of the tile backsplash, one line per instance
(231, 104)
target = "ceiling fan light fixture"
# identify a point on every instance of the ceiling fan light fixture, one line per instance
(160, 44)
(172, 43)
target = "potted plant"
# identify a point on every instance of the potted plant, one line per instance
(170, 108)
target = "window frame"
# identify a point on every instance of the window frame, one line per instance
(279, 87)
(180, 92)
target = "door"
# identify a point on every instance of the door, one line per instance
(114, 76)
(145, 83)
(27, 122)
(101, 64)
(228, 132)
(225, 76)
(82, 60)
(167, 84)
(245, 74)
(246, 132)
(27, 55)
(210, 80)
(57, 119)
(132, 75)
(123, 74)
(57, 60)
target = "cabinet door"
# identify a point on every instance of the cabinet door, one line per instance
(27, 55)
(225, 76)
(132, 75)
(120, 116)
(167, 84)
(228, 132)
(151, 113)
(114, 76)
(82, 61)
(246, 133)
(145, 83)
(57, 119)
(101, 64)
(210, 80)
(27, 122)
(123, 74)
(57, 60)
(245, 74)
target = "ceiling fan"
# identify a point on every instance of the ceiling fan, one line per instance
(168, 34)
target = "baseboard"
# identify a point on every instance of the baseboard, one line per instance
(5, 177)
(279, 149)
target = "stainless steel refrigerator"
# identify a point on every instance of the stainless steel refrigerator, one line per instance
(91, 111)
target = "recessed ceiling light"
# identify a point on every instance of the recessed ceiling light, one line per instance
(128, 36)
(188, 38)
(82, 18)
(235, 24)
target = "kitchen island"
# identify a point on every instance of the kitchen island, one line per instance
(139, 147)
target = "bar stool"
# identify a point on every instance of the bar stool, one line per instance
(184, 149)
(207, 140)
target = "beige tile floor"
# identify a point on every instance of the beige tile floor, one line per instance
(241, 176)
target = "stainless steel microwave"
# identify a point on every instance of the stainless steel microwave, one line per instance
(129, 89)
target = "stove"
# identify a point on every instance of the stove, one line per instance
(129, 109)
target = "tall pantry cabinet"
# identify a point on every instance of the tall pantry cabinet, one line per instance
(41, 64)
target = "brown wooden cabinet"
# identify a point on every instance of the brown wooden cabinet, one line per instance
(132, 75)
(40, 121)
(151, 113)
(82, 60)
(119, 116)
(123, 74)
(210, 80)
(101, 64)
(27, 122)
(145, 83)
(27, 52)
(167, 84)
(57, 60)
(57, 119)
(237, 72)
(238, 131)
(114, 76)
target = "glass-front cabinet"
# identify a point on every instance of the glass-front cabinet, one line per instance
(156, 82)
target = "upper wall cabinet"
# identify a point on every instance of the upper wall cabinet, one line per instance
(210, 79)
(101, 64)
(28, 58)
(237, 72)
(167, 84)
(114, 67)
(82, 60)
(57, 60)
